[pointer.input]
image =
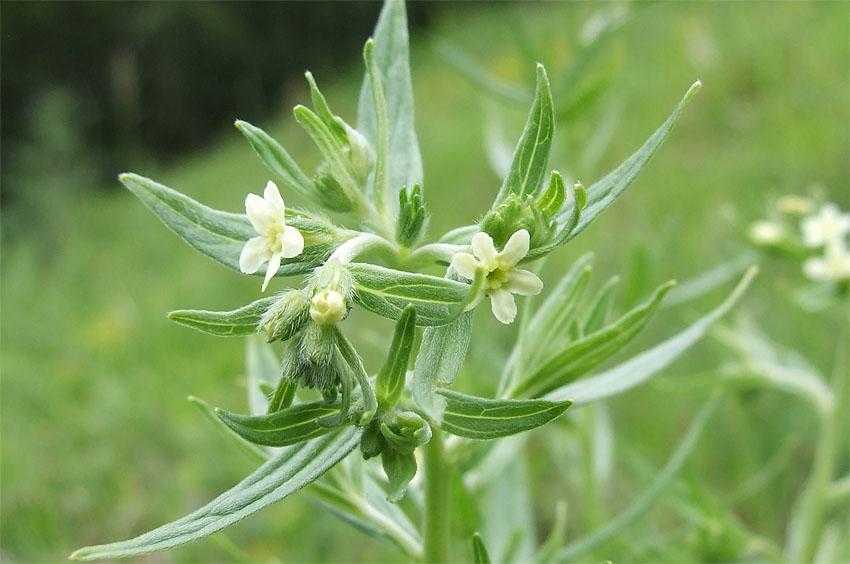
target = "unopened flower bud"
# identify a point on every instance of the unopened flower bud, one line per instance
(361, 154)
(327, 307)
(286, 316)
(766, 233)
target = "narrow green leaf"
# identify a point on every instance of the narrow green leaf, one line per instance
(281, 428)
(277, 160)
(392, 60)
(285, 474)
(440, 359)
(479, 551)
(355, 363)
(283, 396)
(597, 314)
(221, 235)
(208, 411)
(643, 366)
(605, 192)
(241, 321)
(482, 418)
(390, 381)
(531, 155)
(581, 356)
(380, 178)
(388, 292)
(643, 502)
(478, 76)
(323, 109)
(333, 149)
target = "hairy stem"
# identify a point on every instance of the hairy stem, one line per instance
(437, 514)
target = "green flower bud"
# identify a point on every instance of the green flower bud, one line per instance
(411, 215)
(329, 192)
(286, 316)
(312, 360)
(360, 152)
(372, 443)
(514, 213)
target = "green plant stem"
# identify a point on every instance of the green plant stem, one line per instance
(437, 514)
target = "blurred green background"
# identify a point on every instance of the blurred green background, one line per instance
(98, 440)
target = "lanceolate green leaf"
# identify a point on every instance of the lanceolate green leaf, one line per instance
(531, 155)
(277, 160)
(483, 418)
(479, 551)
(585, 354)
(604, 192)
(208, 411)
(242, 321)
(281, 428)
(441, 355)
(640, 368)
(390, 382)
(387, 292)
(392, 59)
(221, 235)
(275, 480)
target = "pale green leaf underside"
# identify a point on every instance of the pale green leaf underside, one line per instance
(387, 292)
(281, 476)
(281, 428)
(217, 234)
(392, 59)
(483, 418)
(640, 368)
(241, 321)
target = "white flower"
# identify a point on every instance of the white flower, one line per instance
(503, 278)
(327, 306)
(834, 266)
(766, 233)
(828, 226)
(276, 239)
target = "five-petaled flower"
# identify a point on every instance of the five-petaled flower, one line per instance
(503, 278)
(275, 241)
(833, 266)
(826, 227)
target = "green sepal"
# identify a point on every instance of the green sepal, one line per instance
(517, 212)
(479, 551)
(483, 418)
(389, 384)
(412, 215)
(373, 442)
(241, 321)
(281, 428)
(400, 468)
(320, 104)
(405, 430)
(552, 199)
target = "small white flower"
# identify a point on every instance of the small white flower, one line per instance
(276, 240)
(833, 266)
(503, 278)
(828, 226)
(766, 233)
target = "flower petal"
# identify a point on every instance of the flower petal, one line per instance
(524, 283)
(484, 249)
(465, 264)
(503, 305)
(515, 249)
(253, 255)
(273, 198)
(291, 242)
(258, 212)
(271, 269)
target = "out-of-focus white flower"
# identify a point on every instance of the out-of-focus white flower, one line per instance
(826, 227)
(275, 241)
(766, 233)
(503, 278)
(833, 266)
(327, 306)
(793, 204)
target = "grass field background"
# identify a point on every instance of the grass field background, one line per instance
(98, 440)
